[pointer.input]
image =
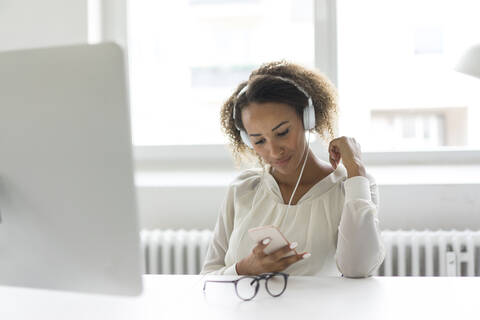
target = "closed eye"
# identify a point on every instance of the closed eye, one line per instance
(260, 141)
(280, 134)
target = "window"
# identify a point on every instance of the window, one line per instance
(187, 57)
(397, 84)
(396, 79)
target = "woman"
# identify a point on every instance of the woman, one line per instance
(329, 210)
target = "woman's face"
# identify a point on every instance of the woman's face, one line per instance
(276, 133)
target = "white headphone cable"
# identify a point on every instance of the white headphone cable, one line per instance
(301, 172)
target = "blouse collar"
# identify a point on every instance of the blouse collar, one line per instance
(319, 188)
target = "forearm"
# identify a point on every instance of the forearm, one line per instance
(359, 248)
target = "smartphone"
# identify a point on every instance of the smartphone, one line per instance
(278, 240)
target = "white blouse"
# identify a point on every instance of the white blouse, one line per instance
(336, 221)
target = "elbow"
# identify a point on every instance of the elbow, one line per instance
(355, 273)
(360, 269)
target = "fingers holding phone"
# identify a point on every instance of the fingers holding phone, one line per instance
(259, 250)
(272, 253)
(260, 262)
(286, 256)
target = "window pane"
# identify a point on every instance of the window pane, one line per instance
(186, 57)
(397, 84)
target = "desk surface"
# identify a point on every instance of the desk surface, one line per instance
(181, 297)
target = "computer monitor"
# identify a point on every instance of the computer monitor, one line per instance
(67, 196)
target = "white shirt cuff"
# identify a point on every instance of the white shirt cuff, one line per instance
(357, 187)
(231, 270)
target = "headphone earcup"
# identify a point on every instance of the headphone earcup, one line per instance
(309, 116)
(246, 138)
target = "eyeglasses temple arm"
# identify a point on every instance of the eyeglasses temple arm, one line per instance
(223, 281)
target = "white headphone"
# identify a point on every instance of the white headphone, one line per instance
(308, 112)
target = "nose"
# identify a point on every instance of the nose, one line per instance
(276, 150)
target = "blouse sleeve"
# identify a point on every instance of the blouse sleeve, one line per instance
(360, 250)
(215, 258)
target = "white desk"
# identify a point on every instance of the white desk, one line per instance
(181, 297)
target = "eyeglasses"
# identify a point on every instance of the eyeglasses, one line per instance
(247, 287)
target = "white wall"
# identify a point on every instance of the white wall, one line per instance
(30, 23)
(410, 206)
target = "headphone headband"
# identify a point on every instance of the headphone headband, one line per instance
(308, 111)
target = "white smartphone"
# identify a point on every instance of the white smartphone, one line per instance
(278, 240)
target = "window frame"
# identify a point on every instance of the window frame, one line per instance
(114, 27)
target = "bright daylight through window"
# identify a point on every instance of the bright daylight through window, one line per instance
(396, 77)
(187, 57)
(398, 89)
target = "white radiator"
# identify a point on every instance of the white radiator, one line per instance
(408, 253)
(431, 253)
(174, 252)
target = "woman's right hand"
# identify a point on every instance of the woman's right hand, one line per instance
(259, 262)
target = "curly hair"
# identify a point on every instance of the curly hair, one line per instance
(265, 84)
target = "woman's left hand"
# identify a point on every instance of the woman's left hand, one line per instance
(348, 150)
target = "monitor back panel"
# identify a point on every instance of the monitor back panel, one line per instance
(67, 196)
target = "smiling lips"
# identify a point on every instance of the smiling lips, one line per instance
(282, 162)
